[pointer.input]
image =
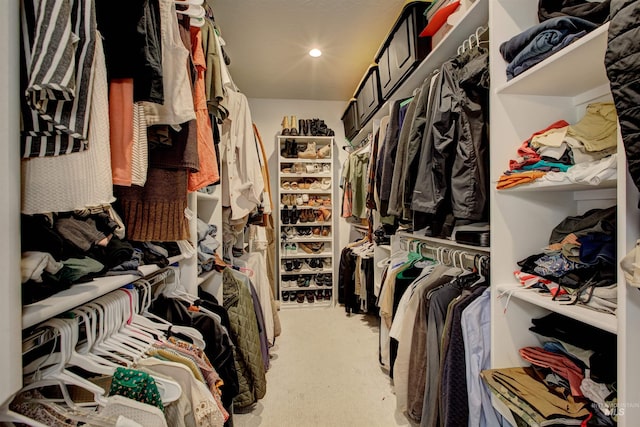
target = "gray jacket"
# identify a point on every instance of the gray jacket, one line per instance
(453, 167)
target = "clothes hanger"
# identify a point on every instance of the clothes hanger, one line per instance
(58, 375)
(9, 416)
(145, 317)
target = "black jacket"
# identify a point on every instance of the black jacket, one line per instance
(622, 61)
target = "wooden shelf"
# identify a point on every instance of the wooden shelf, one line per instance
(604, 321)
(81, 293)
(574, 70)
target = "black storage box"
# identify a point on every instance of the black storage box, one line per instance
(403, 50)
(350, 120)
(368, 95)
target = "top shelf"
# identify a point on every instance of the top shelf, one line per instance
(556, 75)
(477, 15)
(81, 293)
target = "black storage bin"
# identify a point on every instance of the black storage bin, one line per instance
(403, 50)
(368, 95)
(350, 120)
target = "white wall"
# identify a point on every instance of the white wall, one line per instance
(267, 114)
(10, 305)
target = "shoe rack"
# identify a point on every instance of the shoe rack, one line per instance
(306, 193)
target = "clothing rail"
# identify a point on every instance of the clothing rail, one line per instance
(451, 255)
(43, 335)
(480, 36)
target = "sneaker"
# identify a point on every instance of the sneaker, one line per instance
(310, 152)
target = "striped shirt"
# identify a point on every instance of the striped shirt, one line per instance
(58, 46)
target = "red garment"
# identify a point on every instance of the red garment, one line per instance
(558, 363)
(208, 172)
(528, 155)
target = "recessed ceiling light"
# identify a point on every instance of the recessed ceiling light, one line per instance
(315, 52)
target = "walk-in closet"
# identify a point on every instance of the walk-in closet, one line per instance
(376, 213)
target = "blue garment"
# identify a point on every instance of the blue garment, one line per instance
(541, 39)
(543, 164)
(556, 265)
(476, 332)
(596, 247)
(518, 67)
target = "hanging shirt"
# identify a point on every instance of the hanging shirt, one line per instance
(59, 44)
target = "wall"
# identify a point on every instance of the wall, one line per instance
(10, 305)
(267, 114)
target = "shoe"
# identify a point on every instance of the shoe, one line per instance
(304, 127)
(287, 149)
(297, 264)
(326, 214)
(293, 131)
(285, 296)
(293, 149)
(325, 184)
(309, 152)
(288, 265)
(300, 297)
(325, 231)
(293, 215)
(285, 216)
(324, 152)
(327, 295)
(285, 126)
(310, 296)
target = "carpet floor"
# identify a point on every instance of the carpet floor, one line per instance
(325, 372)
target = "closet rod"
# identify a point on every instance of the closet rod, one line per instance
(407, 242)
(42, 335)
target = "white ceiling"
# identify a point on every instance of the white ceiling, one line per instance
(268, 42)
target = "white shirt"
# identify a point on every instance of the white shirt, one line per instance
(242, 182)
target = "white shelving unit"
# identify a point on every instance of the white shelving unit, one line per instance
(522, 218)
(323, 170)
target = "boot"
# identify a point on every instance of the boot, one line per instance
(308, 124)
(293, 131)
(302, 125)
(285, 126)
(285, 152)
(310, 152)
(293, 153)
(284, 216)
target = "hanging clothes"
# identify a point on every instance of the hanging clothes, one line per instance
(77, 180)
(57, 72)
